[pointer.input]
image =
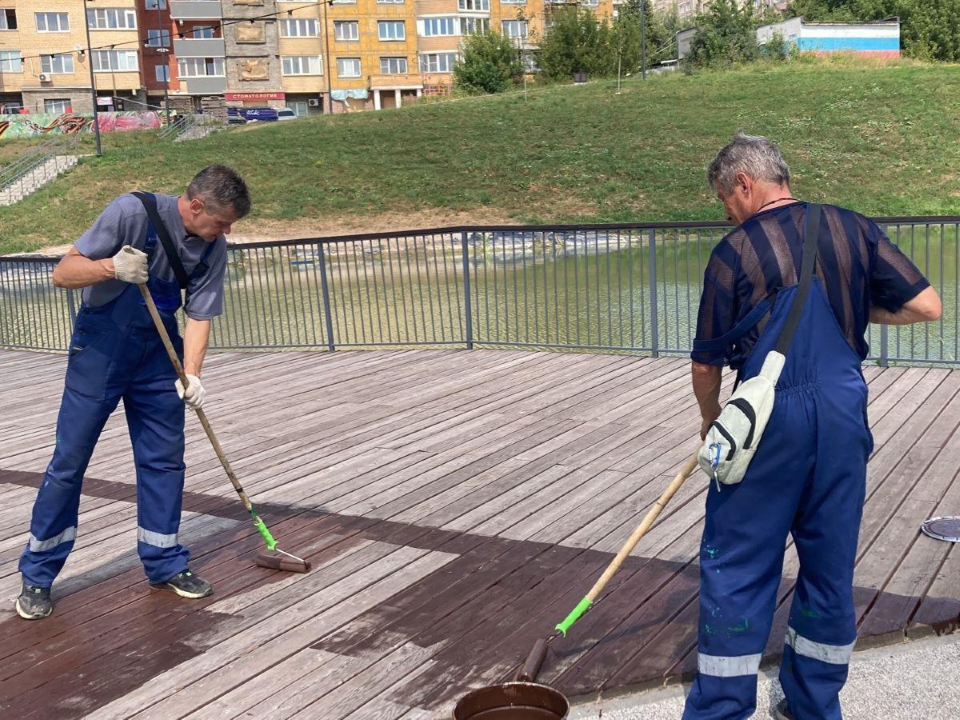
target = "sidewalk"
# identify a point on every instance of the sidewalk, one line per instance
(916, 680)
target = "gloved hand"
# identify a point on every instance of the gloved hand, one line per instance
(130, 265)
(194, 394)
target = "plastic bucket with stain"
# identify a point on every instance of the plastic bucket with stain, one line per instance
(512, 701)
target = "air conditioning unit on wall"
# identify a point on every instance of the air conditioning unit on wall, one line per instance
(313, 102)
(44, 77)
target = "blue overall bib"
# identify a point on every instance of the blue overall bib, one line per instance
(807, 479)
(116, 352)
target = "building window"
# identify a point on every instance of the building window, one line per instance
(390, 2)
(392, 30)
(438, 62)
(346, 30)
(590, 3)
(442, 26)
(299, 28)
(112, 19)
(10, 61)
(515, 28)
(393, 66)
(61, 64)
(300, 107)
(204, 32)
(158, 38)
(115, 61)
(474, 26)
(474, 5)
(8, 19)
(156, 4)
(348, 67)
(513, 2)
(201, 67)
(161, 73)
(56, 105)
(52, 22)
(301, 65)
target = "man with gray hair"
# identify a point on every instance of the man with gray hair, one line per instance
(172, 244)
(808, 475)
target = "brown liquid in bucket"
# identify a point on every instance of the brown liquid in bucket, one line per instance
(512, 701)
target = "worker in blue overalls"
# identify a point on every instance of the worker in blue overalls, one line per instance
(172, 244)
(808, 476)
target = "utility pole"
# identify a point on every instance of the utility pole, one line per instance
(327, 70)
(93, 85)
(643, 40)
(166, 61)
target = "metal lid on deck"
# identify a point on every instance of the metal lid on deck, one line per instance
(945, 528)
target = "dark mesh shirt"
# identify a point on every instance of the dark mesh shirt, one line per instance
(856, 263)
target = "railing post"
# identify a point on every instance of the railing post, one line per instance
(327, 313)
(654, 329)
(467, 306)
(72, 309)
(884, 329)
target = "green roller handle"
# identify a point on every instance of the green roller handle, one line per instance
(264, 532)
(575, 615)
(641, 530)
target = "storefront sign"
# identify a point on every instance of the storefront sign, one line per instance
(244, 96)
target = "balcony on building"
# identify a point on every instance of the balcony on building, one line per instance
(200, 47)
(212, 85)
(195, 9)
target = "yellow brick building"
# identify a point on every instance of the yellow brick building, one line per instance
(48, 42)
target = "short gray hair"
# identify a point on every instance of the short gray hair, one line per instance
(752, 155)
(222, 189)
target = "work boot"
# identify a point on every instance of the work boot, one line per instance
(186, 584)
(34, 602)
(783, 712)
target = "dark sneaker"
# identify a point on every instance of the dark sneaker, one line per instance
(188, 585)
(783, 712)
(34, 602)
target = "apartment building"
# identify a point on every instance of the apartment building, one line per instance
(44, 65)
(312, 55)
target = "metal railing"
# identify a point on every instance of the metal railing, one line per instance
(21, 171)
(608, 288)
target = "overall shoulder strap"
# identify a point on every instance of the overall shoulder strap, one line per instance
(150, 205)
(811, 235)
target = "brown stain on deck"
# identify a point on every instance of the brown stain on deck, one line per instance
(496, 598)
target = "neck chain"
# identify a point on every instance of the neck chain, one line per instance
(771, 202)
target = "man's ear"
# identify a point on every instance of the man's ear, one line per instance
(743, 182)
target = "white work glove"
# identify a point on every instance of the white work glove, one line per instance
(130, 265)
(194, 394)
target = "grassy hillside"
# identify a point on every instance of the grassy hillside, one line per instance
(880, 138)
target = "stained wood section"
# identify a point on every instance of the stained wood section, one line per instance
(455, 505)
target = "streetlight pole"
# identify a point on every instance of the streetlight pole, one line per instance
(327, 70)
(93, 85)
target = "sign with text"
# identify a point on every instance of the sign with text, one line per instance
(254, 96)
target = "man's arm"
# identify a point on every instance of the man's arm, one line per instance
(706, 388)
(925, 307)
(196, 336)
(77, 271)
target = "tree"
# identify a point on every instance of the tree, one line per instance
(726, 34)
(576, 42)
(490, 64)
(660, 30)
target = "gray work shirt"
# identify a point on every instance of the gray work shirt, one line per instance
(124, 222)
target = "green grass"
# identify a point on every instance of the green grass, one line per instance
(881, 138)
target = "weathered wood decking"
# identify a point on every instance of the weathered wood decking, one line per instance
(455, 505)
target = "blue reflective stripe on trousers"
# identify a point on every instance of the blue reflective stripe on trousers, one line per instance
(807, 480)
